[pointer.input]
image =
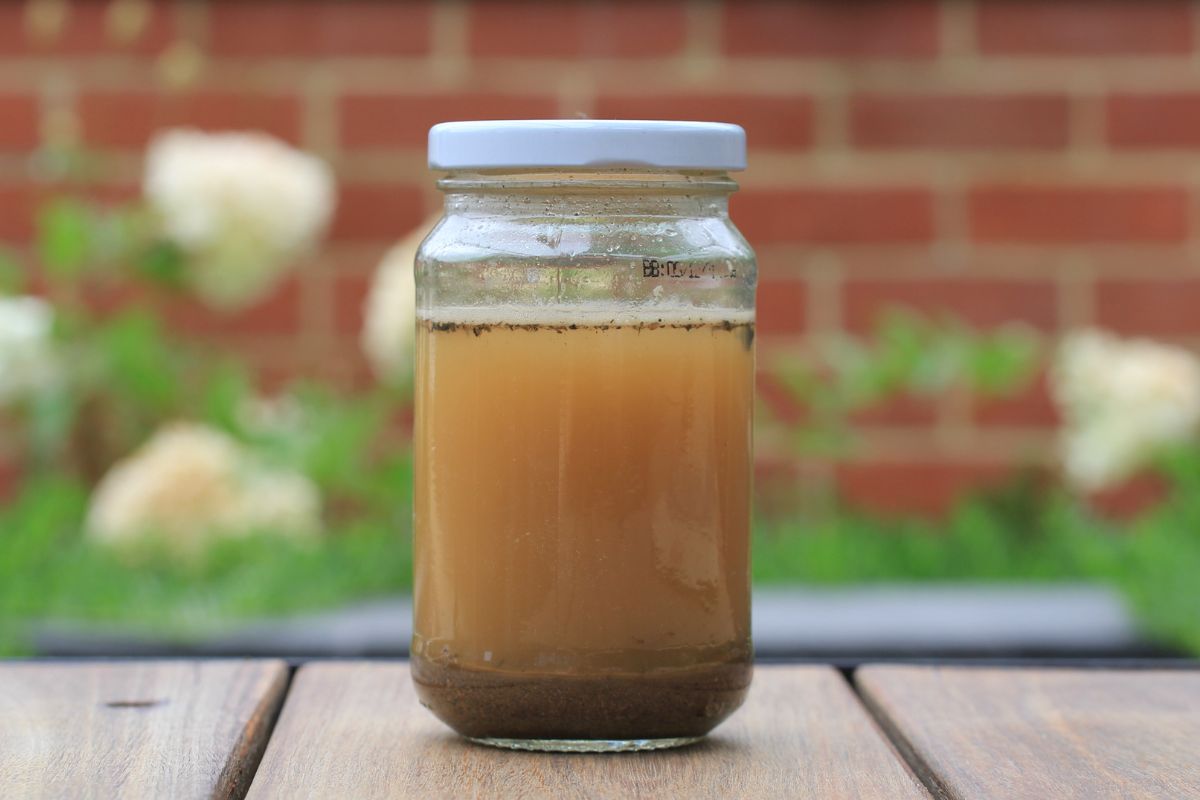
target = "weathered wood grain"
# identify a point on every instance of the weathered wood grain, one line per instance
(135, 729)
(1022, 733)
(356, 730)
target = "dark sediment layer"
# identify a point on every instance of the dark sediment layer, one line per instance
(744, 329)
(675, 703)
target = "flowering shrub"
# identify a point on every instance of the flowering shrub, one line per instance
(241, 206)
(1123, 402)
(189, 482)
(28, 365)
(138, 443)
(172, 439)
(905, 354)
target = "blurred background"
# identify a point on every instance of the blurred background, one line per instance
(978, 313)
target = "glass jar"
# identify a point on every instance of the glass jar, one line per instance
(585, 369)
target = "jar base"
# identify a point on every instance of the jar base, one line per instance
(665, 705)
(586, 745)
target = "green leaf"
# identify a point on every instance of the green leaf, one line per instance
(64, 237)
(50, 419)
(141, 362)
(225, 394)
(162, 263)
(1002, 362)
(12, 272)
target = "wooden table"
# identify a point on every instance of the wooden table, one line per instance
(177, 729)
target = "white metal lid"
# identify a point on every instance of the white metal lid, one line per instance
(592, 143)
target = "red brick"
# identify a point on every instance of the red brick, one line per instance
(1058, 215)
(1151, 307)
(541, 29)
(17, 208)
(1154, 120)
(779, 488)
(981, 302)
(19, 121)
(13, 39)
(778, 399)
(129, 119)
(923, 487)
(904, 410)
(781, 307)
(389, 120)
(277, 313)
(1083, 27)
(1130, 498)
(530, 28)
(349, 294)
(377, 211)
(10, 477)
(356, 373)
(274, 377)
(831, 30)
(351, 272)
(784, 469)
(108, 194)
(769, 120)
(352, 371)
(1028, 406)
(958, 121)
(85, 31)
(833, 216)
(266, 28)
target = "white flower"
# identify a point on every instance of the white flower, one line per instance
(389, 317)
(1122, 400)
(190, 482)
(240, 205)
(28, 362)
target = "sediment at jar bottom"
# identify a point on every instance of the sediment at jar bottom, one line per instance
(658, 705)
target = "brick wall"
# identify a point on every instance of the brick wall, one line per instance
(1000, 160)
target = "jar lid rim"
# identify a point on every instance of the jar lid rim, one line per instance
(587, 143)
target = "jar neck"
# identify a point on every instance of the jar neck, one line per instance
(615, 192)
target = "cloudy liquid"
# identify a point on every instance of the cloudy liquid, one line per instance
(582, 501)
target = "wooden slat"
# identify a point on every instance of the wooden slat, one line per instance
(356, 730)
(988, 733)
(135, 729)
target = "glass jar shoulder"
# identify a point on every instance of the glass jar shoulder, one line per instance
(556, 240)
(622, 262)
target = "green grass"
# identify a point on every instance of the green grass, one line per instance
(971, 544)
(1154, 560)
(48, 571)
